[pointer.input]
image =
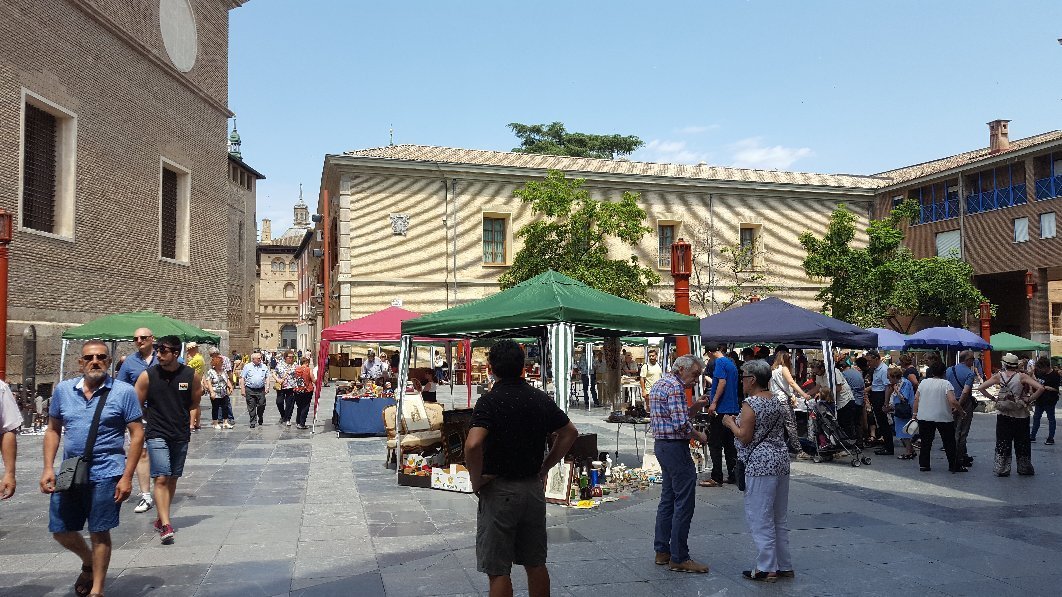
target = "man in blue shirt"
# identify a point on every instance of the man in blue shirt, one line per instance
(131, 368)
(879, 393)
(73, 407)
(253, 386)
(724, 401)
(961, 376)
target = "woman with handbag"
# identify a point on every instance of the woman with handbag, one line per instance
(934, 409)
(763, 472)
(284, 384)
(784, 387)
(1012, 420)
(901, 406)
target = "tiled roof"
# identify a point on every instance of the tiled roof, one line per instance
(450, 155)
(906, 173)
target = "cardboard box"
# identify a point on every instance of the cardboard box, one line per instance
(416, 480)
(454, 478)
(334, 372)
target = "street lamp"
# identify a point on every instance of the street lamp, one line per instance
(6, 219)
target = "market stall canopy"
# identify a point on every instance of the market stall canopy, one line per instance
(774, 320)
(945, 338)
(1005, 342)
(378, 327)
(121, 326)
(548, 298)
(889, 339)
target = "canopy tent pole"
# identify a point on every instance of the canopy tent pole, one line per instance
(831, 367)
(588, 354)
(403, 373)
(322, 371)
(561, 336)
(695, 348)
(62, 362)
(466, 345)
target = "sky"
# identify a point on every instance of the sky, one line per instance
(831, 86)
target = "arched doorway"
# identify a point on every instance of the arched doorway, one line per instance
(289, 336)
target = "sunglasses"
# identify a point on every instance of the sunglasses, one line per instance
(88, 358)
(139, 338)
(164, 349)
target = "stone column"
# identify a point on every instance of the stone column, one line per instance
(1040, 309)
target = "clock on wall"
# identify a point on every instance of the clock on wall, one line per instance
(177, 24)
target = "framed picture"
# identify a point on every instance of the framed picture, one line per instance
(559, 483)
(414, 415)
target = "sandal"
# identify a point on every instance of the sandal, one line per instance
(710, 483)
(83, 584)
(905, 456)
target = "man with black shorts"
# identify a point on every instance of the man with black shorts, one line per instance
(167, 392)
(72, 410)
(504, 455)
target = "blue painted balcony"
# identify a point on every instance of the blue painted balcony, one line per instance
(936, 211)
(1048, 188)
(996, 199)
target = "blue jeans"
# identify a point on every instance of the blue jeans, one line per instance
(678, 491)
(166, 457)
(1037, 412)
(69, 510)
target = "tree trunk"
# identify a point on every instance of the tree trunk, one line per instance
(610, 353)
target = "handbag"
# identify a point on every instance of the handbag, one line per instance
(903, 409)
(911, 428)
(74, 471)
(739, 466)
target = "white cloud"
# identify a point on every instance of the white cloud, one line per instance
(751, 153)
(696, 129)
(669, 151)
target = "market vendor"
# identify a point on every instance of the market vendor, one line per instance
(373, 370)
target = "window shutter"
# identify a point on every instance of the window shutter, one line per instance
(949, 244)
(1047, 225)
(1021, 230)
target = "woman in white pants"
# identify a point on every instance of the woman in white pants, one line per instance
(759, 433)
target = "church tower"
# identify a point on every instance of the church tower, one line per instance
(302, 213)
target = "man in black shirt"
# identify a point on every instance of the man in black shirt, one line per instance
(1050, 379)
(504, 454)
(166, 392)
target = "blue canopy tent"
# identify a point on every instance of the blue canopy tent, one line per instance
(889, 339)
(946, 338)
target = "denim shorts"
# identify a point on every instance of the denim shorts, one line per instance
(69, 510)
(167, 457)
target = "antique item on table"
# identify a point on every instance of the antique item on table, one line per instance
(559, 482)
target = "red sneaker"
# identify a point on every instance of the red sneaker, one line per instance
(158, 525)
(166, 534)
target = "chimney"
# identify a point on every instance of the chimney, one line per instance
(998, 138)
(267, 231)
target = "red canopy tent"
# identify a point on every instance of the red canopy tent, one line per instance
(382, 326)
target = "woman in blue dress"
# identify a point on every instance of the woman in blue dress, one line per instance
(902, 390)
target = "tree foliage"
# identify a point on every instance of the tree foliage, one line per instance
(731, 267)
(554, 139)
(572, 235)
(884, 282)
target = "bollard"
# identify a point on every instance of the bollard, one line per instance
(29, 371)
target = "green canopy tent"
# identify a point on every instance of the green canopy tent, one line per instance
(121, 326)
(1005, 342)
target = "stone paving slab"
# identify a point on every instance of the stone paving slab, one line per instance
(278, 511)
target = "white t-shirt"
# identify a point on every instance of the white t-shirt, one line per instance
(652, 374)
(10, 415)
(933, 400)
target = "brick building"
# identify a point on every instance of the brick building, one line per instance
(996, 208)
(113, 117)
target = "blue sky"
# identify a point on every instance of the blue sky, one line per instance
(813, 85)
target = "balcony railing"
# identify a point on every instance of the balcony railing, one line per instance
(940, 210)
(996, 199)
(1048, 188)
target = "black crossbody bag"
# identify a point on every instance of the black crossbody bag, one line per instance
(74, 471)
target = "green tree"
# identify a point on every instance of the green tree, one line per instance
(731, 267)
(554, 139)
(884, 282)
(571, 235)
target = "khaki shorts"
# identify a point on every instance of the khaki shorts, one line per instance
(511, 526)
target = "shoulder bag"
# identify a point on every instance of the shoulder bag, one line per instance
(903, 408)
(739, 466)
(74, 471)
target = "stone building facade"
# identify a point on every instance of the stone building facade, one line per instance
(113, 115)
(277, 308)
(242, 262)
(434, 226)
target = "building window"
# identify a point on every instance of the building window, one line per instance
(1056, 319)
(289, 290)
(48, 164)
(665, 237)
(239, 242)
(751, 254)
(293, 267)
(494, 240)
(277, 265)
(174, 198)
(1047, 225)
(1021, 230)
(949, 244)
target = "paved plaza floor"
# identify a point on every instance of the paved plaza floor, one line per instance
(274, 511)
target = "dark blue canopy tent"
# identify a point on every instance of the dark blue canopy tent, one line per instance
(776, 321)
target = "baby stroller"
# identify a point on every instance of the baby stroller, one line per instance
(828, 439)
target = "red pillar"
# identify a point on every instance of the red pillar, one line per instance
(986, 333)
(681, 267)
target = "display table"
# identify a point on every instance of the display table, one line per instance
(634, 426)
(362, 417)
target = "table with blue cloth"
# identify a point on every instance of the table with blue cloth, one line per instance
(362, 417)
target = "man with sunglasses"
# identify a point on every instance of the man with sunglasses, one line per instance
(167, 392)
(133, 365)
(72, 410)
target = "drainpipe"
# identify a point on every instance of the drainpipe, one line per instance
(711, 248)
(446, 258)
(453, 192)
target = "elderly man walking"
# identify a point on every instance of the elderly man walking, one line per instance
(94, 411)
(672, 431)
(133, 365)
(253, 378)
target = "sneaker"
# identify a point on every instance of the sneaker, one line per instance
(157, 525)
(786, 574)
(143, 506)
(1049, 442)
(166, 534)
(216, 425)
(252, 425)
(662, 559)
(759, 575)
(288, 423)
(227, 425)
(687, 566)
(300, 426)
